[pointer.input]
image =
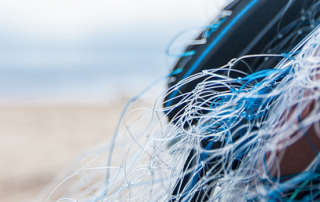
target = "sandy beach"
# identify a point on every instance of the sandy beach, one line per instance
(39, 141)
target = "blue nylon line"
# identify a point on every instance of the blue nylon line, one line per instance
(213, 43)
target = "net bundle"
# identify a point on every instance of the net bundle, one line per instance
(228, 141)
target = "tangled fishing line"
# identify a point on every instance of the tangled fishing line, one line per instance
(227, 139)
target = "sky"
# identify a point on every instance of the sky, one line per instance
(76, 16)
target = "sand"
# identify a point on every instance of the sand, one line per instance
(39, 141)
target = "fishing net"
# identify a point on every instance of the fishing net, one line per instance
(247, 130)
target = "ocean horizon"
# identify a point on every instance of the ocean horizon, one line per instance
(91, 57)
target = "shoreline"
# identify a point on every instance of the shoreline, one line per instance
(38, 141)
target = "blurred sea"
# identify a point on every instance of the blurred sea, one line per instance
(92, 69)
